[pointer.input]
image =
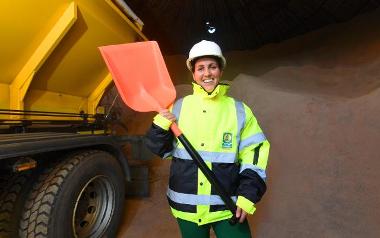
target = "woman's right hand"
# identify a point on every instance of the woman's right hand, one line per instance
(168, 115)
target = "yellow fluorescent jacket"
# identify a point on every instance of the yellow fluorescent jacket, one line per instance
(226, 134)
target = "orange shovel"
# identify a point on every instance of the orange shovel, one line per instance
(144, 84)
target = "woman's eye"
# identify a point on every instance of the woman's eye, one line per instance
(212, 66)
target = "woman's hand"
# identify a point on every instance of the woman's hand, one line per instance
(241, 214)
(168, 115)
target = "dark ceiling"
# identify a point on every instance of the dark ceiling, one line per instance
(239, 24)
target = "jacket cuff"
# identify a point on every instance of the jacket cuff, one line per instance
(162, 122)
(246, 205)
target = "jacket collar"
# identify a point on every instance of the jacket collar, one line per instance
(220, 90)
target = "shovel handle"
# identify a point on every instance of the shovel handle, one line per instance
(206, 171)
(175, 129)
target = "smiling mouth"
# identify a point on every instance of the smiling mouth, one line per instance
(208, 80)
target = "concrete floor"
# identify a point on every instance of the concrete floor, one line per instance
(150, 216)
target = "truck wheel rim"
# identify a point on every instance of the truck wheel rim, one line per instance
(94, 208)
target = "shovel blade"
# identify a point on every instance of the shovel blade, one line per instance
(140, 75)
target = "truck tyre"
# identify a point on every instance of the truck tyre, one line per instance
(83, 196)
(14, 189)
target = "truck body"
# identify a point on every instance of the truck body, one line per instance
(62, 173)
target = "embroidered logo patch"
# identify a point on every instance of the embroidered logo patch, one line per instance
(227, 140)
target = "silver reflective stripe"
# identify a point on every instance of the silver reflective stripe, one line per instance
(176, 111)
(255, 139)
(240, 115)
(255, 168)
(194, 199)
(214, 157)
(177, 108)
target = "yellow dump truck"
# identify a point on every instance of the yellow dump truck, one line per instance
(61, 173)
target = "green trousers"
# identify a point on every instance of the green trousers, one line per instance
(222, 229)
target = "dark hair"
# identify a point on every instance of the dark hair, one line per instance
(216, 58)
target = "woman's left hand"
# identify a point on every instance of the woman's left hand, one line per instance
(241, 214)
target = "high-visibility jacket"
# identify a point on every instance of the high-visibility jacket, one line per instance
(226, 134)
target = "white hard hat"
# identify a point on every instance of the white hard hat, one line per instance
(205, 48)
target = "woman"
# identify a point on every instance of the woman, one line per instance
(226, 135)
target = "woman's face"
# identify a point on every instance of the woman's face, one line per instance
(207, 73)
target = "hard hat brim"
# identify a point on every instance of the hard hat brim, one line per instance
(189, 60)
